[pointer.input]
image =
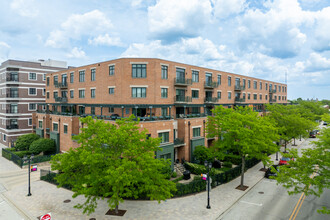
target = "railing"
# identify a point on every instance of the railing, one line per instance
(211, 99)
(61, 85)
(239, 87)
(179, 98)
(210, 85)
(61, 99)
(47, 130)
(12, 126)
(12, 79)
(182, 81)
(178, 141)
(12, 112)
(272, 100)
(272, 90)
(12, 95)
(239, 99)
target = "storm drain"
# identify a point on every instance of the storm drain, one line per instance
(67, 201)
(261, 192)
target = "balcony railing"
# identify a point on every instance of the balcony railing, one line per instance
(61, 85)
(12, 126)
(210, 85)
(47, 130)
(211, 99)
(272, 90)
(239, 99)
(12, 111)
(272, 100)
(179, 141)
(180, 98)
(12, 79)
(12, 95)
(239, 87)
(61, 99)
(182, 82)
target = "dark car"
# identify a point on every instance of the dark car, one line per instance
(285, 160)
(269, 171)
(312, 134)
(325, 123)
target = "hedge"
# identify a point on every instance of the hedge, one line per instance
(199, 169)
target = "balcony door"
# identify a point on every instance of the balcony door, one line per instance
(208, 78)
(180, 94)
(237, 82)
(180, 75)
(64, 79)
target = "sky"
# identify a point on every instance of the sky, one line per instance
(278, 40)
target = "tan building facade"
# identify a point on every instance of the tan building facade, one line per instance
(171, 99)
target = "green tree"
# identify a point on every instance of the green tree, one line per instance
(43, 145)
(326, 117)
(114, 161)
(201, 153)
(309, 173)
(23, 142)
(242, 130)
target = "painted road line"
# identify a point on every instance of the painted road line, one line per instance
(251, 203)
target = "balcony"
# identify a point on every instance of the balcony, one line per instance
(12, 79)
(12, 127)
(210, 99)
(272, 100)
(12, 111)
(239, 100)
(210, 85)
(178, 142)
(182, 82)
(47, 130)
(239, 87)
(61, 99)
(180, 98)
(12, 95)
(272, 90)
(61, 85)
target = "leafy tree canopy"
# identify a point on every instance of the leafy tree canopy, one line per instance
(24, 141)
(43, 145)
(115, 161)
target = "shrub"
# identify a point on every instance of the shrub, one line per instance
(235, 159)
(201, 153)
(21, 154)
(174, 174)
(227, 164)
(23, 142)
(199, 169)
(43, 145)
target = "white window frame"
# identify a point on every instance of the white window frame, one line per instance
(32, 94)
(35, 75)
(32, 109)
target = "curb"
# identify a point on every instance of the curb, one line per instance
(16, 208)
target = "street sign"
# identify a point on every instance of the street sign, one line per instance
(48, 216)
(33, 168)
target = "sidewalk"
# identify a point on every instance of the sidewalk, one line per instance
(48, 198)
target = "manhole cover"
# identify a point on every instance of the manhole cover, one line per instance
(261, 192)
(67, 201)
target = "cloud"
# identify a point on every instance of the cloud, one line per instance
(4, 51)
(76, 53)
(322, 30)
(25, 8)
(225, 8)
(170, 20)
(90, 24)
(105, 40)
(316, 62)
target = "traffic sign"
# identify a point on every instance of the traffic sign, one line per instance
(48, 216)
(34, 168)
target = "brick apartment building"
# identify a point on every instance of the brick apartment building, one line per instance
(171, 99)
(22, 85)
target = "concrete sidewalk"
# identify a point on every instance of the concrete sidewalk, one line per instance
(48, 198)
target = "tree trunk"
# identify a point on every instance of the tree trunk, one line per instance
(116, 209)
(242, 174)
(294, 142)
(285, 146)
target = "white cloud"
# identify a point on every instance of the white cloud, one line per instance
(316, 62)
(76, 26)
(322, 30)
(169, 20)
(25, 8)
(105, 40)
(225, 8)
(4, 51)
(76, 53)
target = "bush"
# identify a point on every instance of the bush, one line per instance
(201, 153)
(43, 145)
(227, 164)
(174, 174)
(235, 159)
(21, 154)
(199, 169)
(23, 142)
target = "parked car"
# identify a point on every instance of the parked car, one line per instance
(115, 116)
(269, 171)
(285, 160)
(325, 123)
(317, 132)
(312, 134)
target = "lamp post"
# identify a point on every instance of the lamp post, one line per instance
(25, 158)
(208, 166)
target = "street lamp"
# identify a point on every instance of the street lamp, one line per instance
(25, 158)
(208, 166)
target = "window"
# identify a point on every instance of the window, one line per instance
(139, 92)
(55, 80)
(71, 94)
(164, 72)
(44, 77)
(139, 70)
(55, 127)
(249, 96)
(244, 96)
(266, 97)
(260, 85)
(47, 81)
(92, 93)
(195, 94)
(260, 97)
(4, 137)
(55, 95)
(164, 137)
(266, 86)
(65, 130)
(275, 87)
(164, 92)
(164, 111)
(32, 106)
(13, 108)
(255, 84)
(40, 124)
(32, 76)
(93, 110)
(92, 74)
(229, 95)
(195, 76)
(81, 93)
(219, 95)
(244, 83)
(71, 77)
(196, 132)
(279, 98)
(111, 70)
(111, 110)
(111, 91)
(82, 76)
(249, 83)
(219, 80)
(30, 122)
(255, 96)
(279, 88)
(47, 95)
(195, 110)
(229, 80)
(32, 91)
